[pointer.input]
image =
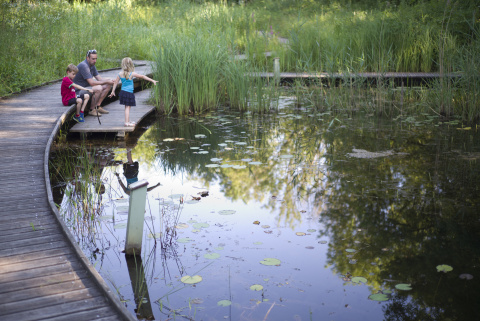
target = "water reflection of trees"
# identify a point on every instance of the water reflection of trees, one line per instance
(404, 215)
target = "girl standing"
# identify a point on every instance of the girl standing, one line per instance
(126, 95)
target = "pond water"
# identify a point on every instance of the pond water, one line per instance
(296, 215)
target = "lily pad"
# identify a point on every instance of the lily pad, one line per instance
(225, 165)
(224, 303)
(350, 250)
(212, 165)
(403, 287)
(239, 166)
(285, 156)
(270, 261)
(120, 226)
(359, 279)
(222, 144)
(187, 279)
(216, 159)
(311, 230)
(211, 256)
(256, 287)
(194, 147)
(300, 234)
(378, 297)
(444, 268)
(255, 163)
(201, 225)
(227, 212)
(203, 152)
(184, 240)
(200, 136)
(181, 225)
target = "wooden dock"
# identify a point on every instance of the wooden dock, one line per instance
(43, 272)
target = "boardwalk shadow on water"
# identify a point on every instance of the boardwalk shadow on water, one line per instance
(288, 216)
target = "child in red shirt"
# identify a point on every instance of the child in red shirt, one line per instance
(68, 93)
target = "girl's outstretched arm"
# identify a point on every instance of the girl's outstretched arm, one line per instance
(144, 77)
(115, 83)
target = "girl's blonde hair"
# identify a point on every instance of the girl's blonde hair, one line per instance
(127, 66)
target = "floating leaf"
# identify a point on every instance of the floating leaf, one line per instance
(216, 159)
(201, 225)
(256, 222)
(255, 163)
(212, 165)
(120, 226)
(285, 156)
(239, 166)
(105, 217)
(168, 140)
(246, 159)
(194, 147)
(187, 279)
(256, 287)
(222, 144)
(359, 279)
(211, 256)
(323, 242)
(466, 276)
(350, 250)
(403, 287)
(227, 212)
(265, 226)
(219, 248)
(311, 230)
(225, 165)
(241, 143)
(181, 225)
(444, 268)
(270, 261)
(258, 243)
(300, 233)
(378, 297)
(154, 236)
(184, 240)
(203, 152)
(224, 303)
(200, 136)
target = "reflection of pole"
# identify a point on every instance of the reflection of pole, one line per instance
(276, 70)
(139, 287)
(136, 215)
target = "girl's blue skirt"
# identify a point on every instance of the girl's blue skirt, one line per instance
(126, 98)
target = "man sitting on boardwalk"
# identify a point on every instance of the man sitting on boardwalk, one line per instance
(88, 76)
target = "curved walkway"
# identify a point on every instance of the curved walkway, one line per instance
(43, 273)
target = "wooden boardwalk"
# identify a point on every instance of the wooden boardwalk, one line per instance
(43, 273)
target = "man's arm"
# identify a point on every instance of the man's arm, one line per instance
(98, 80)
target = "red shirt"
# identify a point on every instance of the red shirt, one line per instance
(67, 90)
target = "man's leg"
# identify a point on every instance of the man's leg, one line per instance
(105, 90)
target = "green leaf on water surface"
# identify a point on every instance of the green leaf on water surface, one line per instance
(224, 303)
(311, 230)
(359, 279)
(105, 217)
(203, 152)
(212, 165)
(229, 141)
(378, 297)
(154, 236)
(285, 156)
(184, 240)
(200, 136)
(196, 230)
(255, 163)
(227, 212)
(239, 166)
(201, 225)
(256, 287)
(403, 287)
(181, 225)
(120, 226)
(225, 166)
(211, 256)
(240, 143)
(216, 159)
(270, 261)
(444, 268)
(176, 196)
(187, 279)
(168, 140)
(220, 248)
(222, 144)
(300, 234)
(193, 147)
(258, 243)
(350, 250)
(251, 147)
(246, 159)
(323, 242)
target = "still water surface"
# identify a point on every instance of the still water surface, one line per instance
(350, 206)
